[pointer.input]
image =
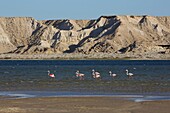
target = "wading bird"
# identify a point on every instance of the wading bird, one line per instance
(51, 74)
(129, 74)
(95, 74)
(80, 75)
(112, 74)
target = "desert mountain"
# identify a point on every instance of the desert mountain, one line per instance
(107, 34)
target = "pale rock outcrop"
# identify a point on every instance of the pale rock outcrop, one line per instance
(107, 34)
(15, 31)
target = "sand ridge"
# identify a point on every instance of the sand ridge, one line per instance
(81, 105)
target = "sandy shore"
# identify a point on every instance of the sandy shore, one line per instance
(81, 105)
(111, 56)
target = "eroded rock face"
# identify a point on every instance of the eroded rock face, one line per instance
(107, 34)
(15, 32)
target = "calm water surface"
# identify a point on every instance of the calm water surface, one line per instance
(150, 77)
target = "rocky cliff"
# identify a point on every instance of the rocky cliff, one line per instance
(107, 34)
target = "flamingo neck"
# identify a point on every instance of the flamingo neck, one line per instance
(48, 72)
(127, 72)
(94, 75)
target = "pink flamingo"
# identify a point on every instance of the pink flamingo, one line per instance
(51, 74)
(112, 74)
(95, 74)
(80, 75)
(129, 74)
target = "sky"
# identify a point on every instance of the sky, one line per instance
(82, 9)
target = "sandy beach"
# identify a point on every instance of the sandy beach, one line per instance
(79, 56)
(81, 105)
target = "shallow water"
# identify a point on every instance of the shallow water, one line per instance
(150, 77)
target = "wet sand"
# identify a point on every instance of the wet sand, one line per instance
(79, 56)
(81, 105)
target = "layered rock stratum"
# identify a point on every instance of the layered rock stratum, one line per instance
(106, 37)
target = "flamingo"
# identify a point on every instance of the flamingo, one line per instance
(95, 74)
(112, 74)
(78, 74)
(129, 74)
(51, 74)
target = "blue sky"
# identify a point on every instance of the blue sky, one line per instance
(82, 9)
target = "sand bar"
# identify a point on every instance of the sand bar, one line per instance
(81, 105)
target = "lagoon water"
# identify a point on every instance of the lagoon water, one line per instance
(27, 78)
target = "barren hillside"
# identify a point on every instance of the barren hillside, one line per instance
(107, 34)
